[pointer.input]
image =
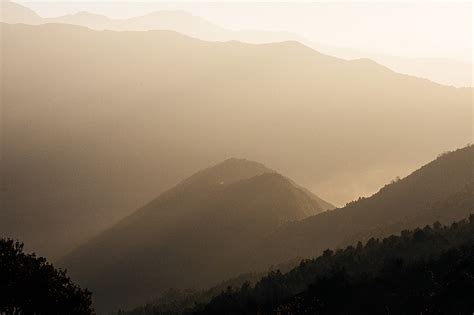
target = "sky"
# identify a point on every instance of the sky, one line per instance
(434, 29)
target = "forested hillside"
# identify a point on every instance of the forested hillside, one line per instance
(426, 270)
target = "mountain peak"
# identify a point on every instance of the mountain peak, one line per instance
(227, 172)
(240, 162)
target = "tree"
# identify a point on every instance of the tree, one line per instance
(30, 285)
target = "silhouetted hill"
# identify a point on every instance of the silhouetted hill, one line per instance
(439, 191)
(94, 124)
(193, 235)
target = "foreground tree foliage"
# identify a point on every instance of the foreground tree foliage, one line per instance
(30, 285)
(425, 271)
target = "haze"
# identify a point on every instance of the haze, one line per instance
(412, 47)
(147, 146)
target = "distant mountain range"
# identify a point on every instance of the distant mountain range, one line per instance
(444, 71)
(193, 235)
(178, 21)
(97, 123)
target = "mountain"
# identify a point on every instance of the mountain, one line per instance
(11, 12)
(178, 21)
(440, 70)
(83, 18)
(445, 71)
(94, 124)
(193, 235)
(439, 191)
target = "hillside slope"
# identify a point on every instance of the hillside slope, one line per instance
(193, 235)
(94, 124)
(439, 191)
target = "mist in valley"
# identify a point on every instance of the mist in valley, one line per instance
(162, 152)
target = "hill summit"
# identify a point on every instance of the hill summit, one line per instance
(194, 235)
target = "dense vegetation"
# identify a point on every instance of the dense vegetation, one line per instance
(443, 285)
(429, 271)
(30, 285)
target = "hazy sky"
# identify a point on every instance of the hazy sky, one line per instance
(441, 29)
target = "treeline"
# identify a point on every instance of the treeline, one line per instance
(425, 271)
(181, 301)
(428, 271)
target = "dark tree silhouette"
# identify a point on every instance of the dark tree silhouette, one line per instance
(425, 271)
(30, 285)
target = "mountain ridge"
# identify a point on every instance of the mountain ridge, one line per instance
(397, 205)
(440, 70)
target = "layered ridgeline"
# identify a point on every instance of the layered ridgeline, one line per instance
(94, 124)
(441, 70)
(194, 235)
(177, 20)
(440, 191)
